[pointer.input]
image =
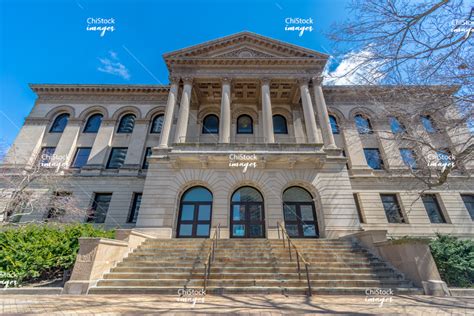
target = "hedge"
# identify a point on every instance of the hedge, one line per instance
(41, 252)
(455, 260)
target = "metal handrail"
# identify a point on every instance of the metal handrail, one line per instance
(299, 256)
(211, 254)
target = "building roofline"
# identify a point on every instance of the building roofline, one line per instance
(102, 88)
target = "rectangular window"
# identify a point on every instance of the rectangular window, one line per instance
(392, 208)
(374, 160)
(145, 160)
(99, 208)
(136, 202)
(81, 157)
(359, 210)
(46, 156)
(409, 158)
(468, 200)
(117, 157)
(58, 205)
(433, 209)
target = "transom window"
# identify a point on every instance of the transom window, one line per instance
(334, 125)
(363, 124)
(210, 124)
(157, 124)
(93, 124)
(244, 125)
(195, 212)
(396, 126)
(126, 124)
(279, 124)
(59, 123)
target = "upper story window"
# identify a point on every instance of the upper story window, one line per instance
(244, 125)
(99, 208)
(392, 208)
(396, 126)
(374, 160)
(93, 124)
(126, 124)
(279, 124)
(59, 123)
(408, 157)
(433, 209)
(428, 124)
(81, 157)
(468, 200)
(157, 124)
(146, 163)
(117, 157)
(46, 156)
(210, 124)
(334, 125)
(445, 157)
(363, 124)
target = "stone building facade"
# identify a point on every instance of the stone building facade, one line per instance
(244, 136)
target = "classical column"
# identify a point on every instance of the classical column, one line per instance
(308, 111)
(102, 142)
(224, 122)
(66, 147)
(169, 112)
(322, 113)
(267, 112)
(183, 114)
(136, 146)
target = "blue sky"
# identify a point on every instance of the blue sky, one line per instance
(47, 41)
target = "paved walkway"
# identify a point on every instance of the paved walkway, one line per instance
(234, 304)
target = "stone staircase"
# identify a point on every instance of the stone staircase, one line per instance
(250, 266)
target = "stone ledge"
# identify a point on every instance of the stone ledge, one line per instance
(31, 291)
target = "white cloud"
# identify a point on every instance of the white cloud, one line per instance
(355, 69)
(113, 66)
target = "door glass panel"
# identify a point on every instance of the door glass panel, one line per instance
(238, 213)
(290, 212)
(255, 212)
(204, 212)
(187, 212)
(202, 230)
(292, 230)
(238, 230)
(256, 231)
(185, 229)
(309, 230)
(306, 212)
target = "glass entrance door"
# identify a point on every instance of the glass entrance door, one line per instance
(195, 212)
(299, 213)
(247, 214)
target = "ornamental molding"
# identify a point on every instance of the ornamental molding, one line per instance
(95, 98)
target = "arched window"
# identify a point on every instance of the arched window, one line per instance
(93, 124)
(195, 211)
(428, 124)
(59, 123)
(126, 124)
(396, 126)
(334, 125)
(157, 124)
(244, 125)
(247, 214)
(210, 124)
(363, 124)
(299, 213)
(279, 124)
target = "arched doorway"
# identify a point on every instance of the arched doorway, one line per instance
(195, 211)
(247, 218)
(299, 213)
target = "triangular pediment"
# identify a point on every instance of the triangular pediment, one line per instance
(245, 45)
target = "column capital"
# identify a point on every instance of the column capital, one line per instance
(187, 80)
(173, 79)
(317, 80)
(265, 81)
(304, 81)
(226, 80)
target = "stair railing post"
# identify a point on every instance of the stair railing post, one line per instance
(289, 248)
(309, 283)
(298, 261)
(205, 276)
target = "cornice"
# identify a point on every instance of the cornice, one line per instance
(98, 89)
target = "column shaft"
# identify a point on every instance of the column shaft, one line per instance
(183, 114)
(322, 112)
(309, 119)
(224, 123)
(169, 113)
(267, 113)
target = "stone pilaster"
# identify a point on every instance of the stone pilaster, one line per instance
(169, 113)
(136, 147)
(183, 114)
(225, 121)
(267, 112)
(67, 143)
(353, 145)
(103, 140)
(308, 110)
(322, 112)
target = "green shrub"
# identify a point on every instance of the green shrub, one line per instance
(455, 260)
(41, 252)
